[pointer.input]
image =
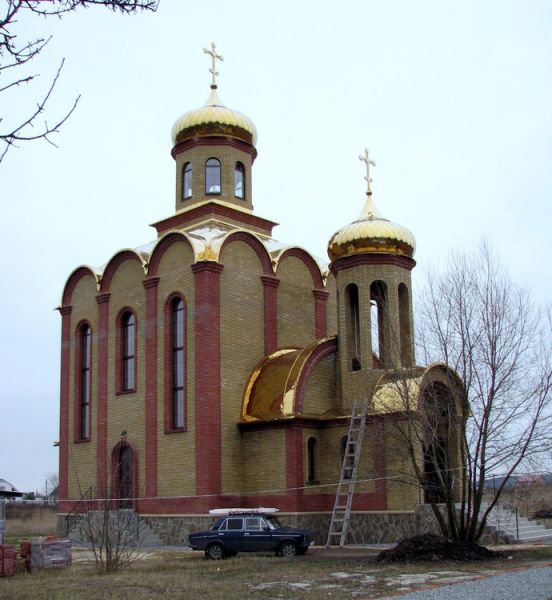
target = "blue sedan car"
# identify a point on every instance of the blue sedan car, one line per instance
(250, 531)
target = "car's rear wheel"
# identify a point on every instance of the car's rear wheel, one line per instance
(215, 552)
(288, 549)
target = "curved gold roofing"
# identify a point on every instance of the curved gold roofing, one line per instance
(270, 393)
(371, 233)
(399, 390)
(214, 119)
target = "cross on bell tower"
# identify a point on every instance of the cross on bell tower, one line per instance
(214, 57)
(365, 158)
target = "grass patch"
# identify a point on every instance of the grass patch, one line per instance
(319, 574)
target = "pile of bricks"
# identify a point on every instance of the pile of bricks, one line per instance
(7, 560)
(50, 553)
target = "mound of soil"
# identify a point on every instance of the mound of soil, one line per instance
(430, 547)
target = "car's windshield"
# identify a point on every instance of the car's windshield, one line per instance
(272, 522)
(217, 523)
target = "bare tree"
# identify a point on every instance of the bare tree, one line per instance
(489, 411)
(114, 534)
(15, 55)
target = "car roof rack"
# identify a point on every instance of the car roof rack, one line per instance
(222, 512)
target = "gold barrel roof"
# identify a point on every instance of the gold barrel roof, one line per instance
(214, 119)
(371, 233)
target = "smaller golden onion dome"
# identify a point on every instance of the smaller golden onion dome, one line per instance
(214, 119)
(370, 233)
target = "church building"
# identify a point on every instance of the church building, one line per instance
(218, 367)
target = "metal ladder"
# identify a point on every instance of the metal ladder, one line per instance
(346, 487)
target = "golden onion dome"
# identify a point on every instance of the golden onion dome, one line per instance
(214, 119)
(370, 233)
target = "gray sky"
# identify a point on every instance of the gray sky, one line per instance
(453, 99)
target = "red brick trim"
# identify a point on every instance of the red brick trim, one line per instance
(213, 209)
(77, 373)
(270, 285)
(115, 262)
(255, 244)
(372, 259)
(64, 401)
(309, 262)
(151, 285)
(215, 141)
(168, 366)
(71, 283)
(162, 246)
(207, 377)
(320, 302)
(102, 387)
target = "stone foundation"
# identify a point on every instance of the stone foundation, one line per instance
(364, 527)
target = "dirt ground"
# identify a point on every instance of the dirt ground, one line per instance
(335, 574)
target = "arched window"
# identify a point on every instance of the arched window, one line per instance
(128, 323)
(178, 358)
(353, 325)
(379, 317)
(212, 176)
(311, 460)
(347, 458)
(239, 180)
(187, 181)
(85, 338)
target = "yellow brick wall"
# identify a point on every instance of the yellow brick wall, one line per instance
(331, 306)
(126, 412)
(402, 489)
(329, 461)
(321, 390)
(264, 461)
(242, 346)
(176, 451)
(296, 310)
(82, 456)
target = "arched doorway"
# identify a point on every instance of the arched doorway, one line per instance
(123, 460)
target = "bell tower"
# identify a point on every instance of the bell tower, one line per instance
(214, 150)
(371, 259)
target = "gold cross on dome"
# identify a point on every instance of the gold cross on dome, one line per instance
(365, 158)
(214, 57)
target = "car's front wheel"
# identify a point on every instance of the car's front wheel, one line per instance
(288, 549)
(215, 552)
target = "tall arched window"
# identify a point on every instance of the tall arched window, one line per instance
(187, 181)
(353, 325)
(128, 352)
(379, 313)
(212, 176)
(239, 180)
(178, 358)
(311, 460)
(85, 338)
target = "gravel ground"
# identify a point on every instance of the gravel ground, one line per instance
(529, 584)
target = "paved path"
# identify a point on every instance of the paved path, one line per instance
(526, 584)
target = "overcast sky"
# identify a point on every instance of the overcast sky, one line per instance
(453, 99)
